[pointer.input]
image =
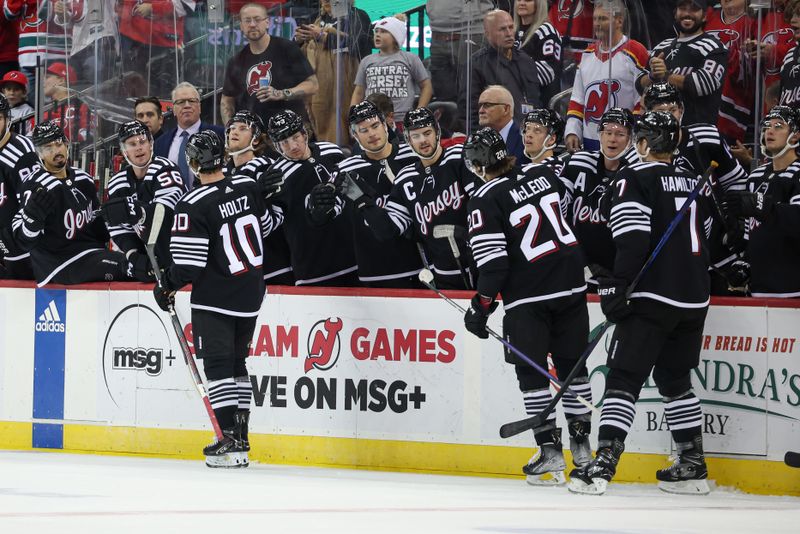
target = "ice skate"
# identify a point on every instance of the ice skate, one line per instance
(579, 442)
(689, 472)
(241, 420)
(546, 467)
(226, 452)
(593, 478)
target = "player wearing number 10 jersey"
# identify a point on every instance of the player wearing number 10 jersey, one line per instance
(525, 251)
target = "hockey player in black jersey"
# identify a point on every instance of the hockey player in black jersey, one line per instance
(246, 150)
(18, 160)
(427, 198)
(525, 251)
(660, 329)
(699, 145)
(58, 220)
(321, 255)
(392, 263)
(542, 131)
(771, 208)
(133, 194)
(694, 62)
(217, 246)
(587, 176)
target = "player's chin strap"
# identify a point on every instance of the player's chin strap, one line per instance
(249, 148)
(434, 156)
(789, 146)
(545, 148)
(622, 152)
(642, 156)
(135, 166)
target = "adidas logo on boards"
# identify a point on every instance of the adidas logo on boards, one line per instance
(50, 320)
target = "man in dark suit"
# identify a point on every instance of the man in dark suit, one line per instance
(496, 110)
(172, 143)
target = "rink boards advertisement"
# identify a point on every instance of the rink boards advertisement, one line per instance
(362, 368)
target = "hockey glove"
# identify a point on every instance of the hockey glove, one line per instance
(477, 315)
(123, 211)
(737, 275)
(613, 300)
(354, 188)
(746, 204)
(38, 206)
(139, 267)
(270, 182)
(734, 237)
(322, 201)
(165, 298)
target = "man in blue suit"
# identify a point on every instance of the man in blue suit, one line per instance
(172, 143)
(496, 110)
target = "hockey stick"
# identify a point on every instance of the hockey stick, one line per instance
(448, 231)
(426, 277)
(516, 427)
(150, 245)
(792, 459)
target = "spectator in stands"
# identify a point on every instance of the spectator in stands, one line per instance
(694, 62)
(14, 86)
(172, 143)
(94, 26)
(319, 45)
(9, 42)
(269, 75)
(147, 109)
(151, 32)
(499, 63)
(790, 69)
(66, 110)
(573, 20)
(593, 93)
(455, 26)
(496, 110)
(392, 71)
(539, 39)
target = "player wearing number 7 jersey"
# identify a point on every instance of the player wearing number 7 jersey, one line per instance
(525, 251)
(217, 246)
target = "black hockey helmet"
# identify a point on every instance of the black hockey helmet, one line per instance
(133, 129)
(363, 111)
(786, 114)
(547, 118)
(661, 93)
(47, 132)
(620, 116)
(484, 148)
(284, 125)
(250, 119)
(204, 151)
(660, 129)
(5, 108)
(421, 118)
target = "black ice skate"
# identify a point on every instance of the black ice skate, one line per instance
(226, 452)
(546, 467)
(593, 478)
(689, 472)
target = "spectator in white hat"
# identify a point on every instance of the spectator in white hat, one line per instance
(392, 71)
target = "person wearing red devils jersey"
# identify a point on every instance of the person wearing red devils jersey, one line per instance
(321, 255)
(217, 246)
(429, 198)
(733, 27)
(133, 194)
(659, 326)
(18, 161)
(57, 219)
(573, 20)
(595, 90)
(244, 136)
(777, 39)
(526, 252)
(542, 131)
(790, 70)
(587, 177)
(695, 63)
(394, 263)
(698, 146)
(771, 208)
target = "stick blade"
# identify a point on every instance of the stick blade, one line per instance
(518, 427)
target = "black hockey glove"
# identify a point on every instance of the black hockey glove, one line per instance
(613, 300)
(36, 210)
(737, 274)
(734, 236)
(139, 267)
(354, 188)
(480, 308)
(122, 211)
(165, 298)
(322, 201)
(270, 182)
(746, 204)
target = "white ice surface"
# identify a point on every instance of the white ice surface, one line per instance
(81, 494)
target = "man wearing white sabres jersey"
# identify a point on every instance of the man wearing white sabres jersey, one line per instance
(393, 263)
(433, 191)
(594, 92)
